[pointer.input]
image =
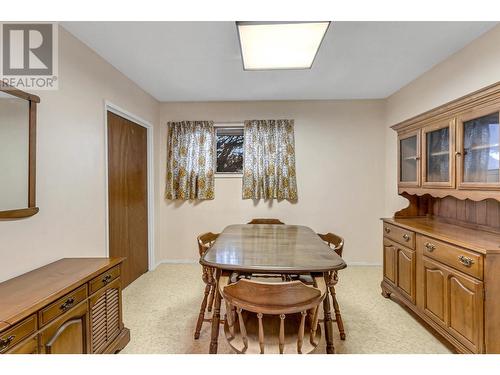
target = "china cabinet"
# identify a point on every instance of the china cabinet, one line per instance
(441, 254)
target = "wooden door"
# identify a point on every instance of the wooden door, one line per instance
(465, 319)
(478, 146)
(409, 159)
(438, 155)
(434, 291)
(105, 316)
(127, 195)
(29, 346)
(406, 272)
(455, 301)
(389, 261)
(68, 334)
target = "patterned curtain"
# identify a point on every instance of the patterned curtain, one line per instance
(269, 160)
(190, 160)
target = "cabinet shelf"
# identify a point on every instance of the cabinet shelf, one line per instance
(439, 153)
(482, 147)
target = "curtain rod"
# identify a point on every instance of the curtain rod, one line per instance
(228, 123)
(223, 123)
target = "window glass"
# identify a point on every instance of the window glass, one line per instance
(229, 150)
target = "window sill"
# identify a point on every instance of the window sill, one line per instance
(228, 175)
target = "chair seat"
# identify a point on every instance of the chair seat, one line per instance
(270, 297)
(271, 328)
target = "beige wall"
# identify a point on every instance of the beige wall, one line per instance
(346, 160)
(474, 67)
(70, 162)
(340, 176)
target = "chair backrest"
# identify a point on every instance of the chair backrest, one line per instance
(265, 221)
(204, 241)
(335, 242)
(280, 299)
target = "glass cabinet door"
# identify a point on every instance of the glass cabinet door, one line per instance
(478, 151)
(409, 159)
(439, 167)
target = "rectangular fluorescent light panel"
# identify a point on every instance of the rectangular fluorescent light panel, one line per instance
(280, 45)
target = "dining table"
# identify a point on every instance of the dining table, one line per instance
(271, 249)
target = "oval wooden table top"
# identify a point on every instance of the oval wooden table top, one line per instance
(271, 248)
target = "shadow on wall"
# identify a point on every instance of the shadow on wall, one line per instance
(269, 202)
(177, 203)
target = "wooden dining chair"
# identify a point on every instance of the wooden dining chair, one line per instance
(272, 317)
(205, 241)
(336, 243)
(265, 221)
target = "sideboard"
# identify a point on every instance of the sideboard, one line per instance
(71, 306)
(441, 254)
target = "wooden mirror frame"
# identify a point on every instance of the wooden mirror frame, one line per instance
(31, 209)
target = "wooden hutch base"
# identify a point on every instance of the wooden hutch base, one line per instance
(442, 253)
(72, 306)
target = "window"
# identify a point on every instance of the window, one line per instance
(229, 147)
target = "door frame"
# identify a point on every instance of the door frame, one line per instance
(110, 107)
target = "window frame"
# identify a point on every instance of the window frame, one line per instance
(228, 125)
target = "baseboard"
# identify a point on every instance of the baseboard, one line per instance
(366, 264)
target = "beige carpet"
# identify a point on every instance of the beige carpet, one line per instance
(161, 308)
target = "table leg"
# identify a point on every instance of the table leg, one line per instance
(330, 349)
(215, 317)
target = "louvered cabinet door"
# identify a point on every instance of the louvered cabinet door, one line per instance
(105, 316)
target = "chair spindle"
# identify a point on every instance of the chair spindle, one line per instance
(261, 333)
(243, 330)
(282, 333)
(300, 337)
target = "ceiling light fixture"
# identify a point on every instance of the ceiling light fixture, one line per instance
(280, 45)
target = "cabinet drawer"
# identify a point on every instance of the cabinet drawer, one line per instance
(17, 333)
(403, 236)
(104, 279)
(461, 259)
(62, 305)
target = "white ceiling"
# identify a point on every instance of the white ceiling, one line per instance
(201, 61)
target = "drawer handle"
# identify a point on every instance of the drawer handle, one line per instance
(387, 230)
(106, 279)
(466, 261)
(430, 247)
(67, 304)
(406, 237)
(6, 342)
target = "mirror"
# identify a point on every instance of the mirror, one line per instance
(17, 153)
